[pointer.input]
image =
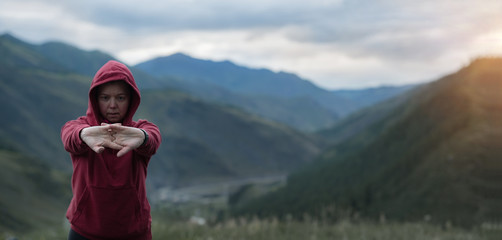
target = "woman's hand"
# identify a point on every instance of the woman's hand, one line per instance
(114, 136)
(129, 138)
(99, 137)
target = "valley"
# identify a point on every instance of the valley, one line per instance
(239, 155)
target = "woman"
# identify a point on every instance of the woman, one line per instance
(110, 153)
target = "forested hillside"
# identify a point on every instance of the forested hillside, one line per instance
(435, 154)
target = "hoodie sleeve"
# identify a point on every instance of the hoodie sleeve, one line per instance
(70, 135)
(154, 138)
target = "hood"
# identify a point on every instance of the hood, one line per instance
(112, 71)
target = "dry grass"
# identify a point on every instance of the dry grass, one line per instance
(256, 229)
(273, 229)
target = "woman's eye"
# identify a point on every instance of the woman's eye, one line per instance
(104, 98)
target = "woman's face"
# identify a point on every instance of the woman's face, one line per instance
(113, 100)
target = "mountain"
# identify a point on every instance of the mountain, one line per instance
(86, 63)
(282, 110)
(311, 117)
(250, 89)
(18, 54)
(201, 140)
(41, 97)
(230, 76)
(434, 154)
(204, 141)
(278, 96)
(370, 96)
(73, 58)
(359, 122)
(34, 195)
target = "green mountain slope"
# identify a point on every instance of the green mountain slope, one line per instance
(74, 59)
(360, 123)
(33, 195)
(18, 54)
(38, 97)
(437, 154)
(303, 113)
(202, 140)
(87, 63)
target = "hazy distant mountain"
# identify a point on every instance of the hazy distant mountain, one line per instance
(230, 76)
(370, 96)
(435, 153)
(282, 97)
(276, 96)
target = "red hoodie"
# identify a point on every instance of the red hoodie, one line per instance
(109, 196)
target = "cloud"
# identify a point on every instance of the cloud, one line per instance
(173, 15)
(352, 43)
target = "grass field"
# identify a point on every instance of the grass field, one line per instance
(197, 221)
(272, 229)
(294, 230)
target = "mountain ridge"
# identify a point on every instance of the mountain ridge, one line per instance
(434, 155)
(32, 124)
(262, 91)
(259, 81)
(294, 105)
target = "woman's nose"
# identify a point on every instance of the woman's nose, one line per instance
(113, 103)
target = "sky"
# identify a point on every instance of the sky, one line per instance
(337, 44)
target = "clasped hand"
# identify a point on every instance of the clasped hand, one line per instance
(114, 136)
